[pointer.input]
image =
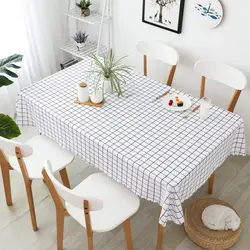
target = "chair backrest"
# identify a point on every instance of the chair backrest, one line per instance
(222, 73)
(67, 194)
(9, 147)
(161, 51)
(13, 148)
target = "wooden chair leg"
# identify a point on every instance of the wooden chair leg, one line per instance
(6, 183)
(88, 224)
(60, 228)
(65, 178)
(160, 237)
(90, 243)
(28, 185)
(211, 183)
(128, 234)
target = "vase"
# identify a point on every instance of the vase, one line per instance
(96, 97)
(107, 87)
(83, 92)
(86, 12)
(80, 45)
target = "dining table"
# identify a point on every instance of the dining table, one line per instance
(161, 155)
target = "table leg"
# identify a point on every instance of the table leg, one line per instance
(211, 183)
(160, 235)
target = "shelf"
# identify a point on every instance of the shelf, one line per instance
(90, 48)
(93, 18)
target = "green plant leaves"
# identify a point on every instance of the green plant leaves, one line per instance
(8, 127)
(4, 81)
(108, 68)
(6, 63)
(8, 72)
(84, 4)
(14, 66)
(10, 60)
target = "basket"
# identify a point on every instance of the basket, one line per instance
(201, 235)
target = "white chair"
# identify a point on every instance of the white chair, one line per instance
(222, 73)
(98, 203)
(161, 51)
(28, 159)
(227, 75)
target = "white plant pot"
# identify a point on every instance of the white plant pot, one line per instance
(80, 45)
(107, 87)
(96, 97)
(83, 93)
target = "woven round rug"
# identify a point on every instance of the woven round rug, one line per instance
(204, 237)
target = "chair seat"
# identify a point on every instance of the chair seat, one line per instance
(43, 149)
(119, 203)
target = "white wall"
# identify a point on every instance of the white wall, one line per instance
(229, 43)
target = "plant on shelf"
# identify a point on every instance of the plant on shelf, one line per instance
(8, 127)
(80, 39)
(84, 6)
(110, 72)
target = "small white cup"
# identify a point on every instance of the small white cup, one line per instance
(83, 92)
(205, 105)
(96, 97)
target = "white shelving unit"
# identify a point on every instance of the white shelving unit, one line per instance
(95, 18)
(90, 48)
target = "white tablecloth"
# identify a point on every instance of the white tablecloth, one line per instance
(158, 154)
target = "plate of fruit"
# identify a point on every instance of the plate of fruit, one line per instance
(176, 102)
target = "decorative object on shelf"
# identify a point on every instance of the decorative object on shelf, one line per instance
(166, 14)
(83, 92)
(110, 70)
(80, 39)
(208, 12)
(90, 48)
(203, 236)
(219, 217)
(8, 127)
(84, 6)
(99, 18)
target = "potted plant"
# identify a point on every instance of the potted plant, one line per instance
(84, 6)
(80, 39)
(8, 127)
(110, 72)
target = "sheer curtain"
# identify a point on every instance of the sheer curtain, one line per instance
(11, 42)
(35, 29)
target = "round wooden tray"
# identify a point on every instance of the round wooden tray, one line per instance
(202, 236)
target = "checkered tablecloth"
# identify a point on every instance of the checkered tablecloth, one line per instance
(158, 154)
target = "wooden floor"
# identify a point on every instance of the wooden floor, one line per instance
(232, 185)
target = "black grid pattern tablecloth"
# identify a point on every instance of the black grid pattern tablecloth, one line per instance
(158, 154)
